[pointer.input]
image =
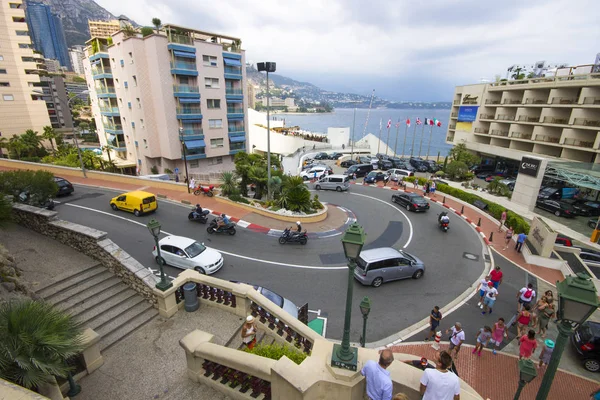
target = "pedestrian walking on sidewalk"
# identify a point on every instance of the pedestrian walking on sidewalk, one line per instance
(490, 298)
(537, 308)
(434, 321)
(457, 337)
(523, 320)
(525, 296)
(496, 276)
(545, 316)
(483, 337)
(528, 344)
(379, 384)
(520, 240)
(508, 237)
(426, 189)
(432, 189)
(192, 184)
(499, 332)
(502, 220)
(483, 286)
(546, 353)
(440, 383)
(249, 331)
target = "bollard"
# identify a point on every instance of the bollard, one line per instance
(438, 337)
(479, 222)
(491, 236)
(444, 200)
(462, 210)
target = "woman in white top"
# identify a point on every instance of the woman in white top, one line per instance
(249, 331)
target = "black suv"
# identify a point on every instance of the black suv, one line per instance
(586, 341)
(321, 156)
(419, 164)
(412, 201)
(335, 156)
(64, 186)
(385, 164)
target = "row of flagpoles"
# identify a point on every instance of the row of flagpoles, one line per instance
(428, 121)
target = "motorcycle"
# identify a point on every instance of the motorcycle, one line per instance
(443, 225)
(207, 191)
(293, 237)
(229, 228)
(202, 217)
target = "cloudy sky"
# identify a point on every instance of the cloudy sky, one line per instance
(403, 50)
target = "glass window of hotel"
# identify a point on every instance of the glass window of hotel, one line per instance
(211, 83)
(216, 160)
(142, 123)
(15, 5)
(4, 84)
(216, 143)
(213, 103)
(209, 61)
(139, 103)
(2, 71)
(1, 58)
(24, 46)
(22, 33)
(215, 123)
(184, 80)
(10, 97)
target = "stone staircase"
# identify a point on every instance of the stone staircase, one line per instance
(101, 301)
(235, 341)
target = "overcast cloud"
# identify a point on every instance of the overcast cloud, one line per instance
(404, 50)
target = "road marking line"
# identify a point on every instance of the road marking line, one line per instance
(243, 223)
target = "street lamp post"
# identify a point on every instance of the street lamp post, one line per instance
(577, 300)
(527, 373)
(365, 309)
(187, 179)
(154, 228)
(344, 356)
(268, 67)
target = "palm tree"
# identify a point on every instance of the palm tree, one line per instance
(36, 340)
(229, 184)
(129, 31)
(258, 176)
(50, 135)
(3, 145)
(17, 145)
(157, 23)
(107, 150)
(295, 195)
(32, 141)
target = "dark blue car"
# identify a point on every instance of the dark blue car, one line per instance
(375, 176)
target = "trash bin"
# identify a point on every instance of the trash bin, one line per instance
(190, 296)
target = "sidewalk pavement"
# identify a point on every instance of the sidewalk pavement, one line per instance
(496, 377)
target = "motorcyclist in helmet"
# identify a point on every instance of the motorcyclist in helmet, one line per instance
(197, 211)
(222, 221)
(298, 226)
(443, 217)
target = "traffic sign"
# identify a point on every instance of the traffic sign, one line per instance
(176, 170)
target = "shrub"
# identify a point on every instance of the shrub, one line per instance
(410, 179)
(237, 197)
(457, 170)
(316, 204)
(276, 351)
(5, 210)
(440, 174)
(168, 171)
(30, 159)
(229, 183)
(39, 184)
(154, 170)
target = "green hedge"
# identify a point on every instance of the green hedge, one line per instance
(238, 198)
(276, 351)
(518, 223)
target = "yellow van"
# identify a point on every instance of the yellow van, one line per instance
(137, 202)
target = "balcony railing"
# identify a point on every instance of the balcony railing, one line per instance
(492, 101)
(237, 146)
(109, 109)
(234, 91)
(100, 71)
(115, 127)
(191, 110)
(535, 101)
(235, 129)
(554, 120)
(450, 138)
(191, 131)
(511, 101)
(564, 100)
(486, 116)
(526, 118)
(497, 132)
(520, 135)
(470, 101)
(547, 138)
(456, 102)
(586, 122)
(105, 90)
(184, 65)
(235, 110)
(452, 127)
(481, 130)
(453, 115)
(233, 70)
(186, 89)
(181, 39)
(578, 143)
(592, 100)
(553, 79)
(504, 117)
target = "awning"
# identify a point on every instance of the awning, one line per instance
(192, 121)
(237, 139)
(184, 54)
(235, 101)
(189, 100)
(235, 118)
(232, 63)
(195, 144)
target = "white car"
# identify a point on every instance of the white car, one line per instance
(186, 253)
(399, 174)
(306, 175)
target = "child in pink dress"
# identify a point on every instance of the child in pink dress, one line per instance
(499, 332)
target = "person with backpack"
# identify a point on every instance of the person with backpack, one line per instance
(525, 296)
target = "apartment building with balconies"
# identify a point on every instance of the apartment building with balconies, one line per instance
(20, 107)
(158, 96)
(551, 117)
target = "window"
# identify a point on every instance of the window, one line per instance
(4, 84)
(139, 103)
(15, 5)
(213, 103)
(1, 58)
(216, 160)
(22, 33)
(2, 71)
(18, 19)
(209, 61)
(211, 83)
(216, 143)
(184, 80)
(133, 124)
(24, 46)
(145, 143)
(142, 123)
(10, 97)
(194, 164)
(122, 63)
(27, 59)
(215, 124)
(125, 84)
(129, 105)
(134, 80)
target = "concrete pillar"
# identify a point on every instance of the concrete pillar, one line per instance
(167, 305)
(529, 181)
(91, 354)
(51, 390)
(189, 343)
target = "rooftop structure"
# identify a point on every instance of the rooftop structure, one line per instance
(103, 29)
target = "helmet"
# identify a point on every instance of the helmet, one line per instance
(297, 222)
(197, 205)
(223, 215)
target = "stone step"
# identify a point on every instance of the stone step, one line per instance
(105, 296)
(105, 317)
(125, 324)
(235, 339)
(110, 308)
(67, 281)
(85, 290)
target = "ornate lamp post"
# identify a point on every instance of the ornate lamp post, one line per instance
(365, 309)
(577, 300)
(154, 228)
(343, 355)
(527, 373)
(183, 149)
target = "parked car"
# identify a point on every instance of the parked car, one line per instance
(309, 174)
(363, 159)
(381, 156)
(493, 176)
(335, 156)
(594, 207)
(592, 222)
(348, 163)
(375, 176)
(558, 208)
(419, 164)
(333, 182)
(564, 241)
(555, 193)
(359, 169)
(399, 173)
(586, 341)
(433, 166)
(510, 183)
(64, 186)
(590, 257)
(26, 197)
(186, 253)
(280, 301)
(412, 201)
(580, 207)
(385, 264)
(479, 169)
(483, 175)
(385, 164)
(321, 156)
(136, 202)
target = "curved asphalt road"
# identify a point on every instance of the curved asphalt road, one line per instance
(315, 273)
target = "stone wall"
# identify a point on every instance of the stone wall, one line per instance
(91, 242)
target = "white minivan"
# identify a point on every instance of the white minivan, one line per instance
(333, 182)
(310, 174)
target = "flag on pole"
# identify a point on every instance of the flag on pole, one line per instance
(426, 121)
(380, 121)
(408, 122)
(430, 121)
(418, 122)
(438, 122)
(397, 125)
(389, 124)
